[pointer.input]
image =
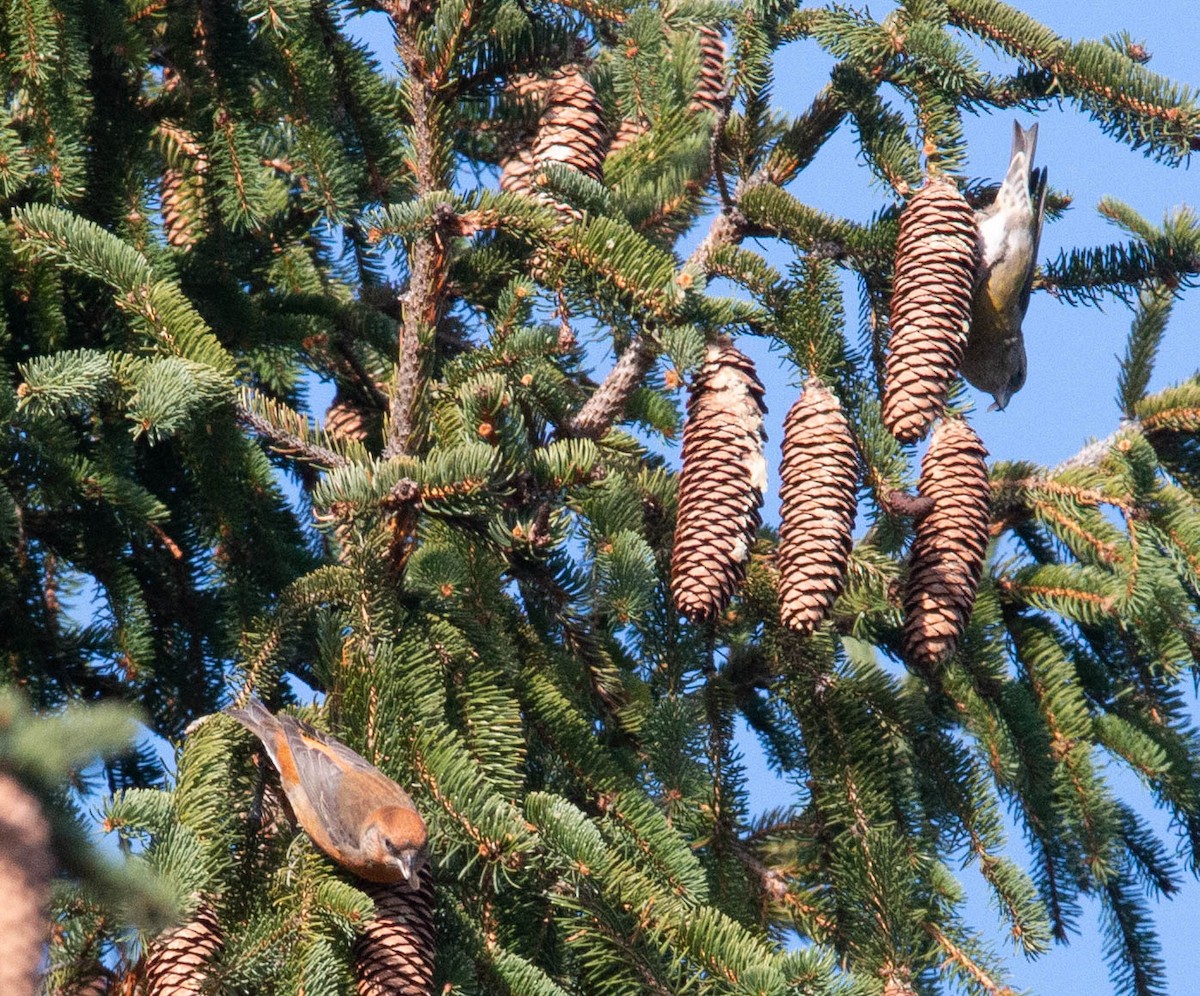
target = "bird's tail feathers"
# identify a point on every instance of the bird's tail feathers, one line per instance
(1014, 193)
(1024, 140)
(256, 717)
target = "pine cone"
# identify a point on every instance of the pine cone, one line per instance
(710, 81)
(820, 475)
(96, 982)
(346, 417)
(182, 186)
(628, 131)
(26, 867)
(721, 484)
(950, 545)
(570, 130)
(177, 960)
(898, 985)
(710, 88)
(931, 307)
(394, 954)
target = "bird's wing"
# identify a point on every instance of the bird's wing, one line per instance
(342, 787)
(1037, 191)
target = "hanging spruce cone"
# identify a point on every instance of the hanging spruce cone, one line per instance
(182, 187)
(347, 417)
(26, 867)
(177, 960)
(517, 166)
(569, 130)
(820, 475)
(707, 96)
(95, 982)
(931, 307)
(710, 81)
(721, 484)
(628, 131)
(949, 548)
(394, 954)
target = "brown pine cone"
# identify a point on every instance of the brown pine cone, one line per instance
(394, 955)
(710, 81)
(721, 484)
(820, 475)
(184, 208)
(950, 545)
(347, 417)
(936, 257)
(898, 985)
(569, 130)
(628, 131)
(26, 867)
(707, 96)
(177, 960)
(96, 982)
(182, 199)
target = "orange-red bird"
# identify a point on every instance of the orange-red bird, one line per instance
(351, 810)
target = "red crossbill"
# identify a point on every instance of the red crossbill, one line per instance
(1009, 232)
(351, 810)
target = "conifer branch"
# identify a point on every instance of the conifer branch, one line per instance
(960, 958)
(1130, 101)
(422, 302)
(290, 443)
(1095, 451)
(608, 400)
(804, 138)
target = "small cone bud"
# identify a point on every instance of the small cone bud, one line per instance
(950, 545)
(26, 867)
(721, 485)
(931, 307)
(394, 955)
(819, 477)
(177, 960)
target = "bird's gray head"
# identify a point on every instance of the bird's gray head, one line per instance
(1016, 363)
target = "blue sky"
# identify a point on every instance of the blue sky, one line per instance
(1069, 395)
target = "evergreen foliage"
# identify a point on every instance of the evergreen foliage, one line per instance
(205, 206)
